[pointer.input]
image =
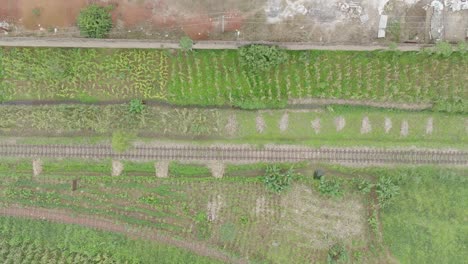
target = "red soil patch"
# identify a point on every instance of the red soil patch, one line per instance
(132, 13)
(233, 21)
(164, 21)
(9, 10)
(49, 13)
(198, 27)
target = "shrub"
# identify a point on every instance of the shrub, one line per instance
(94, 21)
(362, 185)
(386, 190)
(261, 58)
(121, 141)
(443, 49)
(330, 187)
(337, 254)
(186, 43)
(277, 179)
(136, 106)
(462, 47)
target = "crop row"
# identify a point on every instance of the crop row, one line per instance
(216, 77)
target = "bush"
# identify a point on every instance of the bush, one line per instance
(277, 179)
(330, 187)
(386, 190)
(443, 49)
(121, 141)
(136, 106)
(362, 185)
(261, 58)
(186, 43)
(94, 21)
(337, 254)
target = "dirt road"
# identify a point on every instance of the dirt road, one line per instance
(149, 44)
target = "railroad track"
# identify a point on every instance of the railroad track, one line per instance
(242, 154)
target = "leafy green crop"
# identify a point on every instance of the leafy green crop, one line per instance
(94, 21)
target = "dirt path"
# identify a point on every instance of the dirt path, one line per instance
(149, 44)
(65, 217)
(245, 154)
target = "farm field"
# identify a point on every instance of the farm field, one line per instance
(214, 78)
(240, 215)
(35, 241)
(332, 126)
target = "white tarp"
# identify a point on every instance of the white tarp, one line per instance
(456, 5)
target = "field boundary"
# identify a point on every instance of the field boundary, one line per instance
(215, 45)
(244, 154)
(61, 216)
(303, 103)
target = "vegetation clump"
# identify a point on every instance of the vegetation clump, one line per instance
(277, 179)
(121, 141)
(186, 43)
(136, 106)
(258, 58)
(386, 190)
(95, 21)
(330, 187)
(337, 254)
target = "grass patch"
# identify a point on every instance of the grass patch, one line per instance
(31, 240)
(188, 170)
(427, 221)
(209, 77)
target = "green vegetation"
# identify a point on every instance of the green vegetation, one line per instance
(330, 187)
(426, 223)
(212, 125)
(217, 78)
(423, 223)
(121, 141)
(95, 21)
(258, 58)
(337, 254)
(186, 43)
(33, 240)
(276, 179)
(136, 106)
(386, 190)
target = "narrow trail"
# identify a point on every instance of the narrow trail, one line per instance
(152, 44)
(65, 217)
(244, 154)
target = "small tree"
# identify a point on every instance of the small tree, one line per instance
(277, 179)
(261, 58)
(186, 43)
(136, 106)
(95, 21)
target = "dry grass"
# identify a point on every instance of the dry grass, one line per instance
(320, 221)
(260, 124)
(117, 168)
(366, 126)
(217, 169)
(404, 131)
(316, 125)
(430, 126)
(387, 125)
(284, 122)
(214, 207)
(162, 168)
(340, 123)
(37, 167)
